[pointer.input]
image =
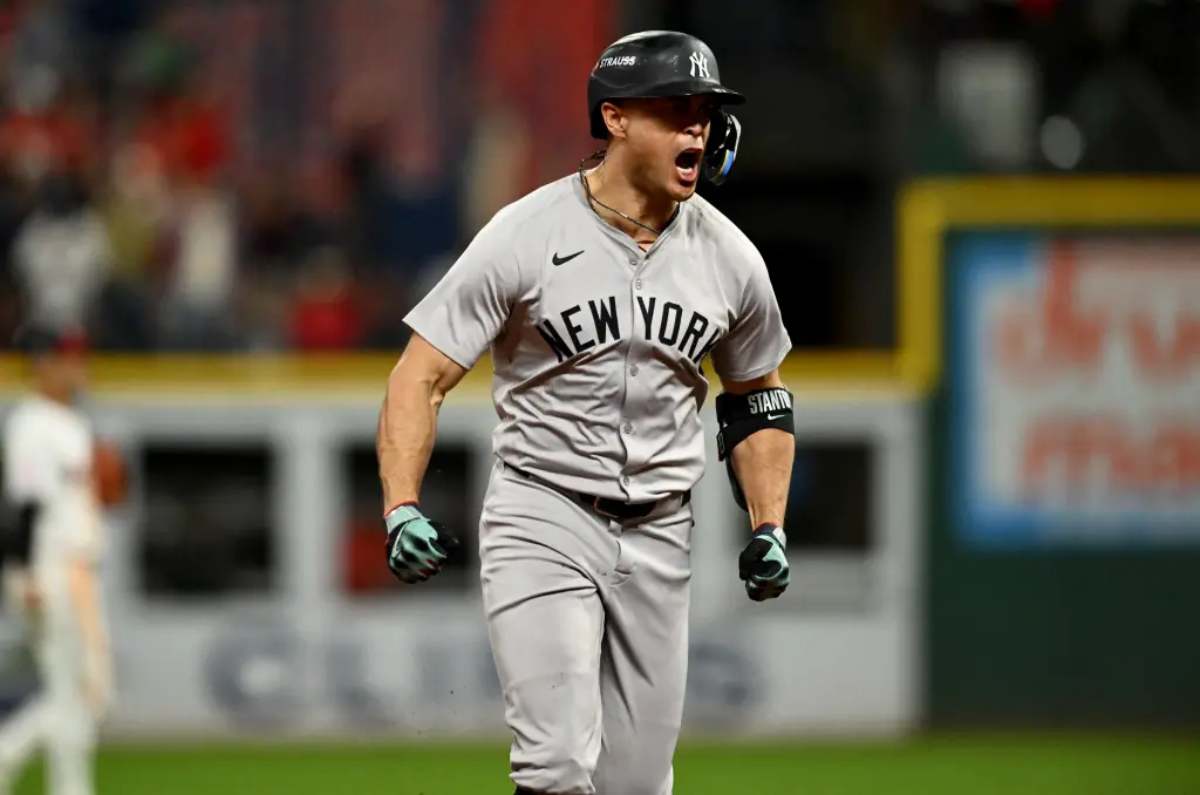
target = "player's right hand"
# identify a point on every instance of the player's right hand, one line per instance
(21, 590)
(416, 547)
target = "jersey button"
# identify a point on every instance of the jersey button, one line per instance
(628, 428)
(637, 285)
(625, 479)
(633, 370)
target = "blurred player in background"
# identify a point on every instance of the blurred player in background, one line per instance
(55, 483)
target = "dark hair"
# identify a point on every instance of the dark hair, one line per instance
(39, 339)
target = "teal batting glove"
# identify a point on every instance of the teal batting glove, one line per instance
(416, 547)
(763, 565)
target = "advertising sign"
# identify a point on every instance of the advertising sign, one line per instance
(1074, 389)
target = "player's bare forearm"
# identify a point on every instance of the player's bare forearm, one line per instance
(97, 656)
(85, 596)
(416, 388)
(763, 461)
(407, 427)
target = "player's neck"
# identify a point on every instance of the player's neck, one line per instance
(55, 393)
(610, 184)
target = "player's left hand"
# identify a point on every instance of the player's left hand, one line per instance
(98, 680)
(763, 566)
(416, 547)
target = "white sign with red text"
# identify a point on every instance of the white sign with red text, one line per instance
(1076, 387)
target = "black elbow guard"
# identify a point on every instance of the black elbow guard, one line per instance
(738, 416)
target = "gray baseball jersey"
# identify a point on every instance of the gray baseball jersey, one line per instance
(597, 346)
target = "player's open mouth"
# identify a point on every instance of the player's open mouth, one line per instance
(687, 163)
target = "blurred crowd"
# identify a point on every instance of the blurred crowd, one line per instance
(263, 175)
(252, 175)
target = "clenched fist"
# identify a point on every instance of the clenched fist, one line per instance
(416, 547)
(763, 565)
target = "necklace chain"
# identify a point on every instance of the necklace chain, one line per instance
(593, 200)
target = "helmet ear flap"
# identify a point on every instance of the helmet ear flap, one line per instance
(724, 135)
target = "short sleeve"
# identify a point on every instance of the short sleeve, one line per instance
(468, 308)
(32, 471)
(757, 342)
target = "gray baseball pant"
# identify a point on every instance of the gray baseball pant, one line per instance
(588, 623)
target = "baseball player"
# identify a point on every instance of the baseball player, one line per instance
(50, 568)
(600, 296)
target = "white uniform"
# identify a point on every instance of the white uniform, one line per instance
(598, 349)
(48, 459)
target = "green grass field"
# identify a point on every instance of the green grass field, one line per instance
(1043, 764)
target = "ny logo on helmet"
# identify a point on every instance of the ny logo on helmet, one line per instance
(699, 64)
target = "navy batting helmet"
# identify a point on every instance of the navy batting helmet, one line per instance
(665, 63)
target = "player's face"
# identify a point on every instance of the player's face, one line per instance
(75, 371)
(63, 375)
(666, 137)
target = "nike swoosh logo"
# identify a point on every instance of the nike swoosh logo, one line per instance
(557, 260)
(774, 416)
